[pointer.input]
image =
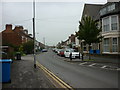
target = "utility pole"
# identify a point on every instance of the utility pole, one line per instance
(44, 40)
(34, 39)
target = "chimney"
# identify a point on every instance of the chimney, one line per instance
(30, 35)
(25, 31)
(72, 34)
(21, 27)
(8, 26)
(18, 28)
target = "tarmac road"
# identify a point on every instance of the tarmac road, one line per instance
(78, 76)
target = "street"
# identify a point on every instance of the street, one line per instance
(60, 45)
(76, 75)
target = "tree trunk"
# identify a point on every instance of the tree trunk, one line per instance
(89, 53)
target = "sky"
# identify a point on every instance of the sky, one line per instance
(55, 21)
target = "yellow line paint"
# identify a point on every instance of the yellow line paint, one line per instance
(54, 77)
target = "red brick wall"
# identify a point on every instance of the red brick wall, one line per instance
(11, 38)
(15, 36)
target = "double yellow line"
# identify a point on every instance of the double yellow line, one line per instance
(54, 77)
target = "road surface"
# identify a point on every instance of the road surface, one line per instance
(76, 75)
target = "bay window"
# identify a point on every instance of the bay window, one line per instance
(114, 44)
(110, 23)
(106, 25)
(106, 45)
(114, 23)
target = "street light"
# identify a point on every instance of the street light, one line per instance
(34, 39)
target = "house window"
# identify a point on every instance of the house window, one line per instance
(103, 11)
(106, 45)
(114, 23)
(111, 7)
(114, 44)
(106, 25)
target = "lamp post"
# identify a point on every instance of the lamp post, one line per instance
(34, 39)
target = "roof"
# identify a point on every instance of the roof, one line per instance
(92, 10)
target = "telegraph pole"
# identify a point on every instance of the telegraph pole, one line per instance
(44, 40)
(34, 39)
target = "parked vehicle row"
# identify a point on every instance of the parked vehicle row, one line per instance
(68, 53)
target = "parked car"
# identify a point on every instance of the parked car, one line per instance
(58, 51)
(61, 52)
(44, 50)
(74, 53)
(55, 50)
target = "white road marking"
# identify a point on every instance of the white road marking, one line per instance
(118, 69)
(82, 63)
(92, 64)
(103, 66)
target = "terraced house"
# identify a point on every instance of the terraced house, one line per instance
(92, 10)
(110, 16)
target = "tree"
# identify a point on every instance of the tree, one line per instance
(70, 45)
(28, 47)
(89, 31)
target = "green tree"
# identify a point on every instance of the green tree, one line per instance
(70, 45)
(28, 47)
(89, 31)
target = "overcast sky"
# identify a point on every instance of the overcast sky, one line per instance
(55, 21)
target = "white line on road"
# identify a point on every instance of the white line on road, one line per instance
(118, 69)
(92, 64)
(82, 63)
(103, 66)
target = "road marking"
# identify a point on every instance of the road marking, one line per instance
(82, 63)
(118, 69)
(54, 77)
(92, 64)
(103, 66)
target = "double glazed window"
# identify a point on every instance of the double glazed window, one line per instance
(106, 45)
(107, 9)
(114, 44)
(106, 25)
(114, 23)
(111, 7)
(110, 23)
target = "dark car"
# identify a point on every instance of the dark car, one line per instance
(44, 50)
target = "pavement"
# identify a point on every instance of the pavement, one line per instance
(24, 75)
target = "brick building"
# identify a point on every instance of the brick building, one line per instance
(15, 36)
(10, 37)
(23, 33)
